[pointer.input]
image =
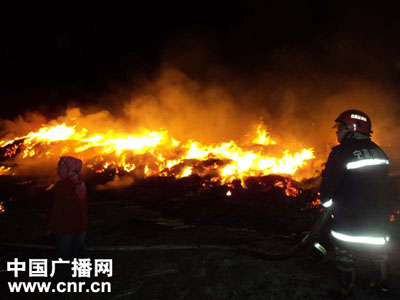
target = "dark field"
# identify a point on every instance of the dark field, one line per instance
(177, 239)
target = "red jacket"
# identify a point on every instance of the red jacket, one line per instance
(68, 214)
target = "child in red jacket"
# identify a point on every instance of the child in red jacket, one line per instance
(68, 215)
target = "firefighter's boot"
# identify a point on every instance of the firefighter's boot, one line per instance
(381, 285)
(346, 277)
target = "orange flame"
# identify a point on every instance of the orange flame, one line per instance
(4, 170)
(156, 152)
(263, 137)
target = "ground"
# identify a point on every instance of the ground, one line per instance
(181, 253)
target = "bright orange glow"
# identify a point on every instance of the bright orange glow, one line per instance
(129, 167)
(317, 201)
(49, 187)
(4, 170)
(157, 153)
(263, 137)
(2, 209)
(393, 216)
(290, 190)
(187, 172)
(50, 134)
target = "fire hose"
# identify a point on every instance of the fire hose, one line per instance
(305, 243)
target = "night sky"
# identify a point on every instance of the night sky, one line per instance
(69, 52)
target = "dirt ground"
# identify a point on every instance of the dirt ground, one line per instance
(182, 253)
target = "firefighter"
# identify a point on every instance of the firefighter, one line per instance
(354, 191)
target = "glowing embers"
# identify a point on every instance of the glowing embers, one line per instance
(360, 239)
(366, 162)
(11, 151)
(317, 201)
(287, 185)
(394, 216)
(2, 209)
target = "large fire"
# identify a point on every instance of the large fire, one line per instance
(148, 153)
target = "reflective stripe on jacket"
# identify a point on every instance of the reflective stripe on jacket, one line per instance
(356, 178)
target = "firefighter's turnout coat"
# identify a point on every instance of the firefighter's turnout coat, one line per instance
(355, 187)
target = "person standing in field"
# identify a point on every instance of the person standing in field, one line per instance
(68, 214)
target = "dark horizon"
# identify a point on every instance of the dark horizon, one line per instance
(52, 56)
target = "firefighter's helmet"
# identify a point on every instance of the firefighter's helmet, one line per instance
(356, 121)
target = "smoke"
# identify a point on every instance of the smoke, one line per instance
(297, 92)
(21, 125)
(189, 109)
(116, 183)
(299, 89)
(297, 116)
